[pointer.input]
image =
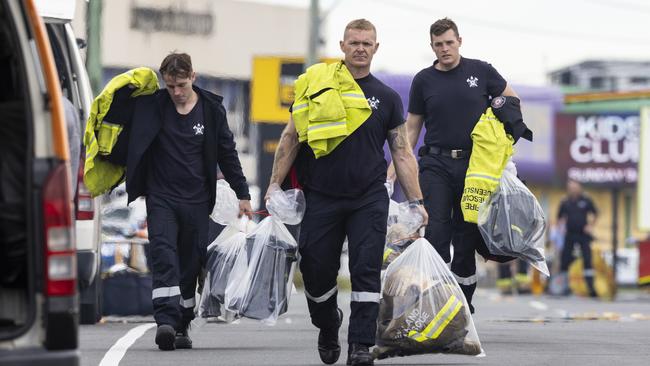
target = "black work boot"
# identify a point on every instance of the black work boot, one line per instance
(590, 286)
(329, 348)
(358, 354)
(183, 340)
(165, 335)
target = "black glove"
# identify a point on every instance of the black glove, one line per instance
(508, 111)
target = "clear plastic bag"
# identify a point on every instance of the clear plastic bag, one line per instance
(422, 309)
(287, 206)
(404, 220)
(223, 254)
(261, 288)
(512, 223)
(226, 205)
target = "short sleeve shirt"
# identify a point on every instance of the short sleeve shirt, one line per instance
(575, 212)
(453, 101)
(358, 162)
(176, 169)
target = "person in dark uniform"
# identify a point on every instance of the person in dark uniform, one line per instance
(448, 98)
(346, 196)
(177, 138)
(578, 214)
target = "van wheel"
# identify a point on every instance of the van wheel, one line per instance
(91, 312)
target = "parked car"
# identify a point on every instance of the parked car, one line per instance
(38, 274)
(75, 85)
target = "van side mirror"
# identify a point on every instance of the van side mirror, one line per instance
(81, 43)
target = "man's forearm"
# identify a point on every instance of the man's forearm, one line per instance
(284, 157)
(406, 167)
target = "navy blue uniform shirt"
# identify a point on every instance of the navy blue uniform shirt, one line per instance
(358, 162)
(453, 101)
(575, 211)
(176, 169)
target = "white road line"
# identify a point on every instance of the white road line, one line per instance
(117, 351)
(538, 305)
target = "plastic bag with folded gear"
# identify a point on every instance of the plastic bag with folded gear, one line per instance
(261, 287)
(404, 220)
(422, 309)
(222, 256)
(512, 223)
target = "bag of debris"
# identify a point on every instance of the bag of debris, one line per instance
(422, 309)
(222, 255)
(512, 223)
(404, 220)
(263, 290)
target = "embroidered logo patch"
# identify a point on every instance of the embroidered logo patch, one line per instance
(472, 81)
(498, 102)
(374, 103)
(198, 129)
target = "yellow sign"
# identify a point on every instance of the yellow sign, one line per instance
(272, 87)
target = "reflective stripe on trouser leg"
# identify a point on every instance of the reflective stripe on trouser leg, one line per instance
(320, 242)
(192, 244)
(163, 230)
(366, 230)
(463, 265)
(326, 296)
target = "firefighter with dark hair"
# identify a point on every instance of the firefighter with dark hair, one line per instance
(448, 98)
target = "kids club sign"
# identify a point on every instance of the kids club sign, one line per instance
(597, 148)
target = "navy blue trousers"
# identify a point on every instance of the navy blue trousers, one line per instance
(178, 236)
(327, 222)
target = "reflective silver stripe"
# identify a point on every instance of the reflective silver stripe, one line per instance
(109, 124)
(189, 303)
(589, 272)
(299, 106)
(324, 125)
(165, 292)
(475, 175)
(353, 95)
(322, 298)
(365, 296)
(443, 318)
(465, 280)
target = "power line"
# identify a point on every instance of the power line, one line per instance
(623, 5)
(486, 23)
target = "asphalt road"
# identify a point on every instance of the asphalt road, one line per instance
(521, 330)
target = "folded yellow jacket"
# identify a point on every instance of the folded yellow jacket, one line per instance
(491, 148)
(329, 105)
(100, 137)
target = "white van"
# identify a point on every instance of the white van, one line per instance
(38, 274)
(58, 16)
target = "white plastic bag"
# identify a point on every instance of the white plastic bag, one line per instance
(422, 309)
(404, 220)
(226, 205)
(223, 253)
(261, 288)
(287, 206)
(512, 223)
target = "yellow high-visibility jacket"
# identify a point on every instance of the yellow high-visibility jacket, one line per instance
(100, 137)
(329, 105)
(490, 152)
